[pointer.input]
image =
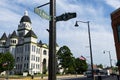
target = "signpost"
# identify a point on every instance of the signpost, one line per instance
(52, 33)
(42, 13)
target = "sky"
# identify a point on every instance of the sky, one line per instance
(76, 38)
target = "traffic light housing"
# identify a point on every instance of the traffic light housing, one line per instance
(65, 17)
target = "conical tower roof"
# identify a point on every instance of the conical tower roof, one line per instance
(14, 35)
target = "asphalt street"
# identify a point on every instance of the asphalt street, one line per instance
(85, 78)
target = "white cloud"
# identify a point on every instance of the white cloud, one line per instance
(114, 3)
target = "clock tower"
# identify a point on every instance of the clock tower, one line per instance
(25, 25)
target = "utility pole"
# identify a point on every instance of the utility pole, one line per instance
(52, 42)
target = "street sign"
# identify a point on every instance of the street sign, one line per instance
(42, 13)
(66, 16)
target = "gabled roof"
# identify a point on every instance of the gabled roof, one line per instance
(14, 35)
(30, 34)
(4, 37)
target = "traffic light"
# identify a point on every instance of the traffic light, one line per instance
(65, 17)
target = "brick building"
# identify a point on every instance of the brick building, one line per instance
(115, 17)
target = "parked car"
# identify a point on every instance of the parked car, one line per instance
(88, 74)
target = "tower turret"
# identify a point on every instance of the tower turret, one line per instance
(25, 25)
(13, 39)
(3, 39)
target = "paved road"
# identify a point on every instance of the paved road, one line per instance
(110, 78)
(84, 78)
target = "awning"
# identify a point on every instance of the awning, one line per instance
(118, 63)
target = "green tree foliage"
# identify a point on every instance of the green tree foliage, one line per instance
(81, 65)
(69, 63)
(66, 59)
(6, 61)
(100, 66)
(1, 62)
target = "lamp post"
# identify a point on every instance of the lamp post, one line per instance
(76, 25)
(109, 57)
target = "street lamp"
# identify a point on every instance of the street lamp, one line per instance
(109, 57)
(76, 25)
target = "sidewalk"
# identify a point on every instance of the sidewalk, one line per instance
(46, 78)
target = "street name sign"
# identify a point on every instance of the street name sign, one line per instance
(42, 13)
(66, 16)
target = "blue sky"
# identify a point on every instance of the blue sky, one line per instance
(96, 11)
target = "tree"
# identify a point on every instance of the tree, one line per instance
(66, 59)
(100, 66)
(1, 62)
(81, 65)
(7, 61)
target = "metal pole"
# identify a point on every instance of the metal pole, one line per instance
(43, 5)
(90, 50)
(110, 59)
(89, 45)
(52, 42)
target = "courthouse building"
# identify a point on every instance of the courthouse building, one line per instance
(29, 54)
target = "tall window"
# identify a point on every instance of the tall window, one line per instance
(21, 34)
(44, 52)
(27, 47)
(33, 48)
(118, 30)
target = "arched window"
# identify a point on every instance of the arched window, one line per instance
(44, 66)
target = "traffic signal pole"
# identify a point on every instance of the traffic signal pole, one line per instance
(52, 42)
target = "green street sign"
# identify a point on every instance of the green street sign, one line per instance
(66, 16)
(42, 13)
